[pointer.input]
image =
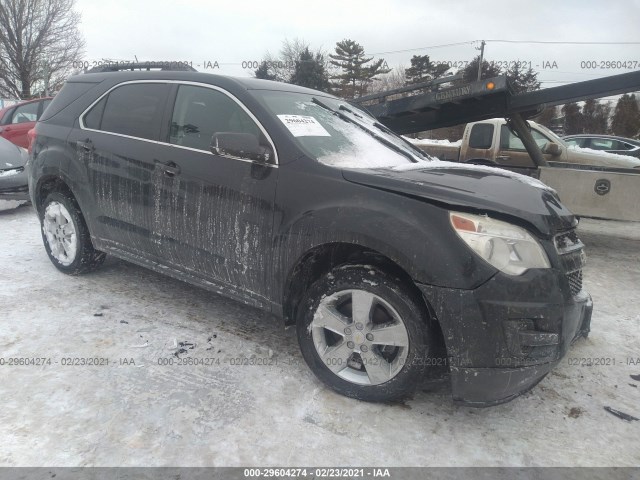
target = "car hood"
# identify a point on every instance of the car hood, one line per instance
(588, 156)
(11, 156)
(486, 189)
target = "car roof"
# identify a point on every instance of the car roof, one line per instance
(23, 102)
(246, 83)
(608, 137)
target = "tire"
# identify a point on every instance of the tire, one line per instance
(66, 236)
(357, 362)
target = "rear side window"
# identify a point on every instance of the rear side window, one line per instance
(624, 146)
(481, 136)
(608, 144)
(134, 110)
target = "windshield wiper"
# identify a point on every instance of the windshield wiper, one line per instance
(388, 131)
(348, 119)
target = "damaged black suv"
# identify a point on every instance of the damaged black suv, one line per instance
(390, 263)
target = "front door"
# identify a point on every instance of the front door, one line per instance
(512, 152)
(214, 213)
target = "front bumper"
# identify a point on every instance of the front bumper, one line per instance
(505, 336)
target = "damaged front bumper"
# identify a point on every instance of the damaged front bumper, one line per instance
(503, 337)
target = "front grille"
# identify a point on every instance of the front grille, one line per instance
(572, 258)
(575, 282)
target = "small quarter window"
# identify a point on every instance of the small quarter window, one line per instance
(94, 116)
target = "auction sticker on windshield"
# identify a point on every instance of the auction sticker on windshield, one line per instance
(303, 126)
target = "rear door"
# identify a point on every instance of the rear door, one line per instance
(214, 213)
(117, 145)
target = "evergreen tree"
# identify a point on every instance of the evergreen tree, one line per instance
(626, 118)
(595, 116)
(521, 80)
(423, 70)
(354, 74)
(489, 69)
(573, 120)
(264, 72)
(310, 71)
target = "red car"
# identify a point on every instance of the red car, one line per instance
(16, 120)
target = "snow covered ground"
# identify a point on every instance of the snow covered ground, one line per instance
(137, 411)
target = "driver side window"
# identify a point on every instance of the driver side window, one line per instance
(508, 141)
(200, 112)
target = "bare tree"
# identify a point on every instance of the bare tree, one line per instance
(396, 78)
(39, 41)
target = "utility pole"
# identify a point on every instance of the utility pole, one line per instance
(46, 78)
(482, 44)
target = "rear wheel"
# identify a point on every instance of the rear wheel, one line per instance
(66, 237)
(364, 334)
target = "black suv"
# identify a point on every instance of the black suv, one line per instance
(391, 264)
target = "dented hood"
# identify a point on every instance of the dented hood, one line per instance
(486, 189)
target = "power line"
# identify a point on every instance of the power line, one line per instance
(471, 42)
(425, 48)
(552, 42)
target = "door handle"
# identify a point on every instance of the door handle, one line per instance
(170, 169)
(503, 157)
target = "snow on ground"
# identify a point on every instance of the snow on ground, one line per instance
(149, 414)
(432, 141)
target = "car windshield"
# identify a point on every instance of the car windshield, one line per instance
(337, 133)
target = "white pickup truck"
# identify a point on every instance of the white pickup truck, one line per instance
(491, 142)
(591, 183)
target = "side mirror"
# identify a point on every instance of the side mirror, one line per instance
(552, 149)
(240, 145)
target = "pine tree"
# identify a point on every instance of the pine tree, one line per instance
(573, 120)
(309, 71)
(264, 72)
(521, 80)
(626, 118)
(595, 116)
(355, 75)
(489, 69)
(422, 69)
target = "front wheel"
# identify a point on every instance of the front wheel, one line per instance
(364, 334)
(66, 236)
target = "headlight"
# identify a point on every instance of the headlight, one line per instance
(509, 248)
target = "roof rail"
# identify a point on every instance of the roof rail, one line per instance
(165, 66)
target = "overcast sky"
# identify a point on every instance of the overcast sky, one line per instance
(233, 32)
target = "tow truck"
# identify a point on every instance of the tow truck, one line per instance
(599, 191)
